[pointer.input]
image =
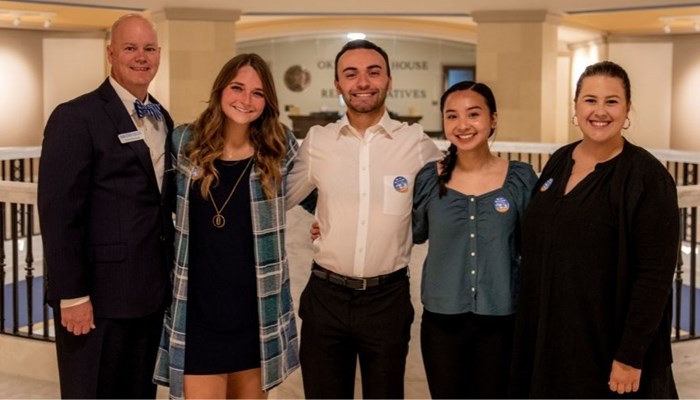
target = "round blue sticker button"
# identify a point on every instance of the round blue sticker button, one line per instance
(546, 184)
(501, 204)
(401, 184)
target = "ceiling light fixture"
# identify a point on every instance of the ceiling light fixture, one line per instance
(666, 21)
(356, 35)
(28, 18)
(681, 23)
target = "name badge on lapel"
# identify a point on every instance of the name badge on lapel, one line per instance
(129, 137)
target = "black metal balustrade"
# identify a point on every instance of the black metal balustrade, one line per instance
(23, 294)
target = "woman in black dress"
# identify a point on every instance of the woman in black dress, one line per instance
(230, 331)
(600, 241)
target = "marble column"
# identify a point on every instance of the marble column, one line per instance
(516, 55)
(195, 44)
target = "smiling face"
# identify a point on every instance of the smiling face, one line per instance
(243, 99)
(601, 108)
(467, 120)
(363, 81)
(134, 54)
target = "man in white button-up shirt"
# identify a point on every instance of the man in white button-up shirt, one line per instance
(357, 301)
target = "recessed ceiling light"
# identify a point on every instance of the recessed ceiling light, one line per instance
(356, 35)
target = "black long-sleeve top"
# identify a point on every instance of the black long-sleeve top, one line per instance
(597, 268)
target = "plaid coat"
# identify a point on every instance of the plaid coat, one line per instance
(278, 332)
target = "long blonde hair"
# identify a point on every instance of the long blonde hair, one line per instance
(267, 134)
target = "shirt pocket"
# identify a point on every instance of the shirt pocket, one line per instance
(398, 194)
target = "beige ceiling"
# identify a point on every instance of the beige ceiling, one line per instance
(681, 20)
(621, 17)
(64, 18)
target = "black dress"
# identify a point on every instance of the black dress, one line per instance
(222, 316)
(597, 271)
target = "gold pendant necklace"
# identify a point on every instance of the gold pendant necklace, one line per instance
(219, 221)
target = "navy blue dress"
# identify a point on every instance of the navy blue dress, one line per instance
(222, 316)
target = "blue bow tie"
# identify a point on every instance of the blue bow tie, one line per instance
(143, 110)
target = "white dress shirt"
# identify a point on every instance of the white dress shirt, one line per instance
(365, 192)
(154, 131)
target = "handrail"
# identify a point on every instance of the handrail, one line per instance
(25, 193)
(688, 196)
(18, 153)
(666, 155)
(14, 153)
(18, 192)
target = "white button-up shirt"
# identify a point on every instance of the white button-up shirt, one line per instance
(154, 131)
(365, 192)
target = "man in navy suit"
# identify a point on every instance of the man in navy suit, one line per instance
(105, 204)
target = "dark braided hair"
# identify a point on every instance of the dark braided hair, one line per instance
(448, 163)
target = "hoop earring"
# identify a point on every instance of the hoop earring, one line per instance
(573, 120)
(629, 123)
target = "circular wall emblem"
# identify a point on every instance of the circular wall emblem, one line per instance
(297, 78)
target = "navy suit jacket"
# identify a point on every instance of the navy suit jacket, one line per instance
(106, 228)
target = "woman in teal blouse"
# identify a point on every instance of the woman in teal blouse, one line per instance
(469, 206)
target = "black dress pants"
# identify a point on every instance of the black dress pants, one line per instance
(116, 360)
(341, 324)
(467, 356)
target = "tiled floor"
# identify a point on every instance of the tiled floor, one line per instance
(686, 354)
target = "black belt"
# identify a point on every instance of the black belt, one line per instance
(357, 283)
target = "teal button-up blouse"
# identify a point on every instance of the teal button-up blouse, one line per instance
(473, 261)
